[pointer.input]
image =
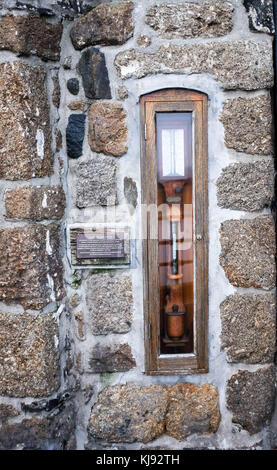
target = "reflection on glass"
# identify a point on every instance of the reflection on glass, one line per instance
(173, 162)
(174, 158)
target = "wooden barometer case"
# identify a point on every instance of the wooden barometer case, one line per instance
(175, 249)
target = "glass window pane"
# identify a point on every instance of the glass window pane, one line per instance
(173, 162)
(174, 159)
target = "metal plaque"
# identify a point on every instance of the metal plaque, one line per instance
(91, 246)
(100, 245)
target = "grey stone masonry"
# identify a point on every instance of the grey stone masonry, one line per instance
(25, 137)
(110, 303)
(30, 266)
(250, 397)
(248, 252)
(188, 20)
(248, 125)
(249, 328)
(246, 186)
(116, 358)
(96, 182)
(29, 357)
(130, 413)
(244, 64)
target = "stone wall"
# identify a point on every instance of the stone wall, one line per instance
(71, 342)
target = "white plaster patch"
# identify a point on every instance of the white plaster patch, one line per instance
(40, 143)
(57, 314)
(44, 201)
(51, 285)
(56, 341)
(48, 246)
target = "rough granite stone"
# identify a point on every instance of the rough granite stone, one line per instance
(80, 326)
(52, 432)
(143, 41)
(248, 125)
(77, 105)
(250, 397)
(96, 182)
(7, 411)
(110, 303)
(130, 191)
(25, 137)
(192, 409)
(56, 95)
(245, 65)
(248, 252)
(246, 186)
(109, 24)
(94, 73)
(189, 20)
(29, 357)
(74, 300)
(260, 14)
(25, 35)
(75, 133)
(129, 413)
(30, 265)
(73, 86)
(35, 202)
(107, 128)
(248, 328)
(116, 358)
(122, 93)
(58, 139)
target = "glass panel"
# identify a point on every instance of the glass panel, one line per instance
(174, 158)
(173, 162)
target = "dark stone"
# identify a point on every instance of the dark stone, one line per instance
(260, 14)
(25, 35)
(75, 132)
(53, 432)
(250, 397)
(73, 86)
(92, 67)
(67, 9)
(105, 24)
(47, 405)
(117, 358)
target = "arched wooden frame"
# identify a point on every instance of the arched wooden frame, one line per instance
(176, 100)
